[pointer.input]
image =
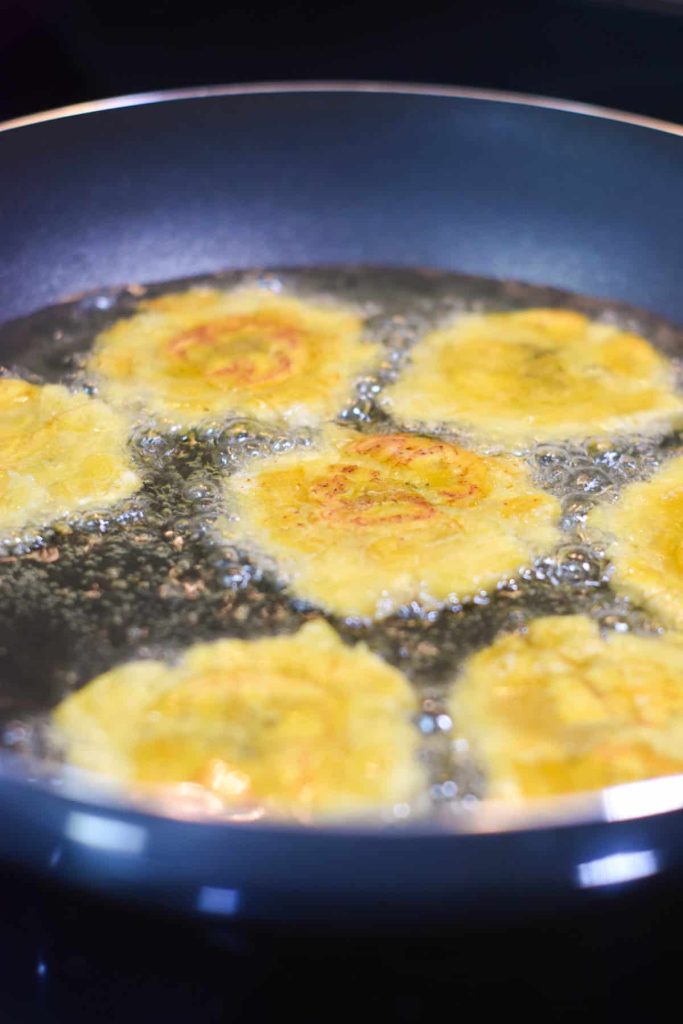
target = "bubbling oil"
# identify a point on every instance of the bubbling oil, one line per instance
(152, 577)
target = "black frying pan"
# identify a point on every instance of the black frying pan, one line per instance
(155, 187)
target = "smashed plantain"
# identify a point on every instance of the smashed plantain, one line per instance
(297, 725)
(645, 541)
(535, 375)
(362, 524)
(560, 708)
(60, 453)
(205, 354)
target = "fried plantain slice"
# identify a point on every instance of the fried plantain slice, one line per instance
(562, 709)
(60, 453)
(296, 725)
(186, 358)
(362, 524)
(645, 545)
(536, 374)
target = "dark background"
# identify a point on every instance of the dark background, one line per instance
(627, 55)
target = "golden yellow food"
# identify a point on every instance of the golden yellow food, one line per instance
(301, 725)
(361, 524)
(645, 541)
(60, 453)
(537, 374)
(201, 354)
(561, 708)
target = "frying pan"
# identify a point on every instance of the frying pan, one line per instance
(153, 187)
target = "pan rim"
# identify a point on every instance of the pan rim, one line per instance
(643, 799)
(340, 86)
(622, 803)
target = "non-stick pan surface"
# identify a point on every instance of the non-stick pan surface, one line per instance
(158, 187)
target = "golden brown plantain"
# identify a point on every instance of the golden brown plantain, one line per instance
(533, 375)
(562, 709)
(301, 725)
(60, 453)
(361, 524)
(189, 357)
(645, 541)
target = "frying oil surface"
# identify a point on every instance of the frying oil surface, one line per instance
(159, 572)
